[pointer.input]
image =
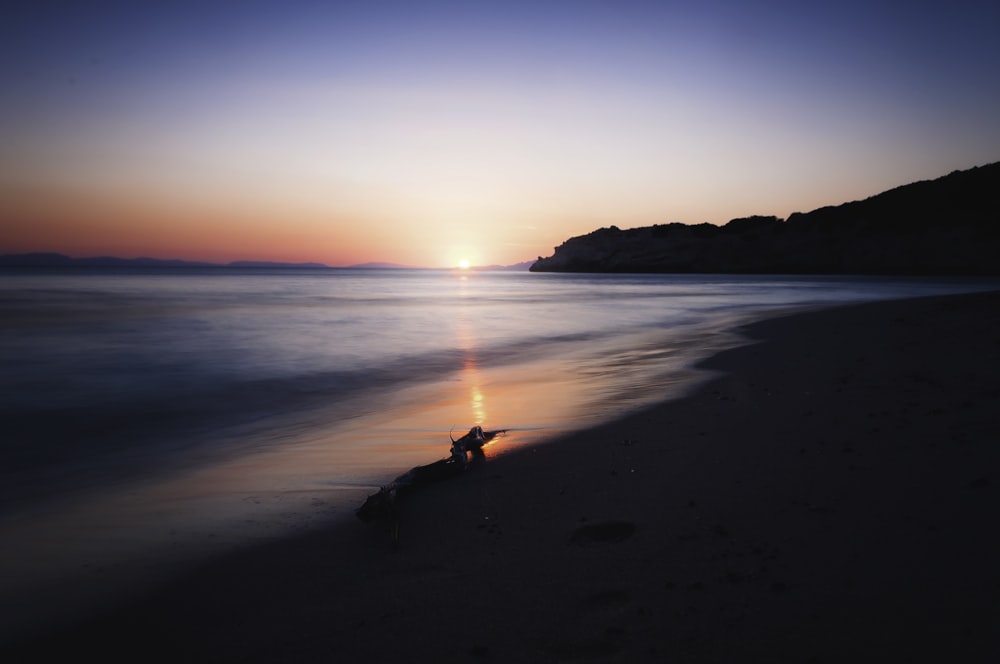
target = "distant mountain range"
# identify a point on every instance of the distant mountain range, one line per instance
(950, 225)
(376, 265)
(61, 260)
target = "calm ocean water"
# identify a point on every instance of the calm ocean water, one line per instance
(140, 407)
(124, 373)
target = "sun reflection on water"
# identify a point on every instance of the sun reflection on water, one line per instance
(466, 341)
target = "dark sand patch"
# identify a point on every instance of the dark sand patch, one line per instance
(606, 532)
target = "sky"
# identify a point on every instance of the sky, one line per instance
(426, 133)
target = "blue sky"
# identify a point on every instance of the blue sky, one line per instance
(425, 133)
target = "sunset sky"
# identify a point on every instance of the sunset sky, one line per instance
(426, 133)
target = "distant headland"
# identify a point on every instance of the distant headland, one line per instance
(950, 225)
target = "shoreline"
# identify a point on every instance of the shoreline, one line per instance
(102, 546)
(829, 496)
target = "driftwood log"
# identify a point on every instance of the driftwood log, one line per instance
(384, 505)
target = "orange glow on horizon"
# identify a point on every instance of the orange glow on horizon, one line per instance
(491, 134)
(84, 224)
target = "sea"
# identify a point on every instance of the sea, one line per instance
(152, 418)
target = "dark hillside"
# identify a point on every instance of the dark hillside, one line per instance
(950, 225)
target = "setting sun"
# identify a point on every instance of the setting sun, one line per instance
(463, 263)
(492, 133)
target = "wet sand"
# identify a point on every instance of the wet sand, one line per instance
(832, 496)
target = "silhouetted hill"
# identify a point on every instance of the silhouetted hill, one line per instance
(950, 225)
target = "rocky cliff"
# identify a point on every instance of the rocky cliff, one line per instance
(950, 225)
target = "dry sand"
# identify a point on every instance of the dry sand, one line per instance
(832, 497)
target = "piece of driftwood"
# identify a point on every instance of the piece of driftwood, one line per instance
(384, 505)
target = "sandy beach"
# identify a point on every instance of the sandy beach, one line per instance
(831, 496)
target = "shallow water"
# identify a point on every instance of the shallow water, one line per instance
(184, 412)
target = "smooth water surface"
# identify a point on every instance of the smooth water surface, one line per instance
(191, 410)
